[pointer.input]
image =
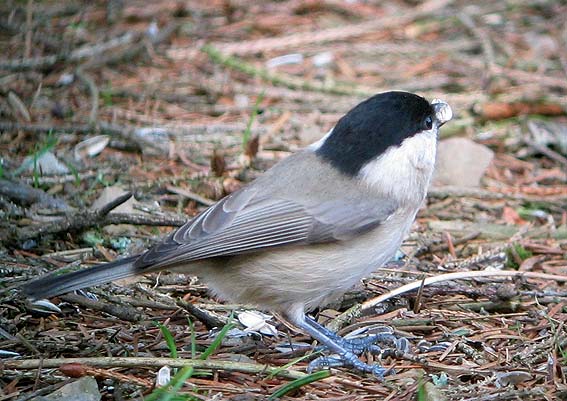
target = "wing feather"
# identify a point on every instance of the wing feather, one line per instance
(245, 222)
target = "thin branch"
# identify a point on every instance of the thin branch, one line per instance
(282, 79)
(93, 91)
(190, 195)
(25, 194)
(29, 29)
(131, 52)
(342, 32)
(84, 219)
(484, 40)
(455, 191)
(97, 55)
(356, 311)
(39, 128)
(138, 362)
(210, 320)
(87, 219)
(124, 312)
(371, 303)
(75, 56)
(126, 132)
(553, 155)
(105, 209)
(65, 178)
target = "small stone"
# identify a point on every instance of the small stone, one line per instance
(163, 377)
(323, 59)
(109, 194)
(159, 138)
(543, 46)
(294, 58)
(461, 162)
(84, 389)
(512, 378)
(46, 164)
(65, 79)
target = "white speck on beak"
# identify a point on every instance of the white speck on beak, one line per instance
(443, 111)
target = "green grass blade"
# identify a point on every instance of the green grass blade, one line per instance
(35, 172)
(169, 340)
(294, 385)
(218, 340)
(75, 173)
(193, 341)
(421, 393)
(247, 132)
(40, 150)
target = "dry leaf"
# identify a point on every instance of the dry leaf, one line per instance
(218, 163)
(252, 147)
(513, 378)
(18, 106)
(510, 216)
(257, 322)
(91, 146)
(231, 185)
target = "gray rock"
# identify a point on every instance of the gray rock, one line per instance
(109, 194)
(47, 164)
(153, 140)
(84, 389)
(548, 133)
(461, 162)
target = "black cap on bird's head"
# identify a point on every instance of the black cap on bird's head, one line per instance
(378, 123)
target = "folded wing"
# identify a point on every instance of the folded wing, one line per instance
(247, 222)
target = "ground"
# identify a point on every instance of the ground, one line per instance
(186, 101)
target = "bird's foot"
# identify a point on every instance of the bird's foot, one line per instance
(349, 349)
(370, 343)
(347, 359)
(357, 346)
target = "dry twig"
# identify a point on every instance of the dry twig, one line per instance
(346, 317)
(138, 362)
(84, 219)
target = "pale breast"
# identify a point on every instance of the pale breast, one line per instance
(312, 275)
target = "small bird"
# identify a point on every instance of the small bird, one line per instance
(310, 227)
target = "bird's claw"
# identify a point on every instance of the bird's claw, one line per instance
(369, 343)
(356, 346)
(348, 359)
(345, 351)
(359, 345)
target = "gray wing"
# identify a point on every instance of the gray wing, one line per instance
(246, 222)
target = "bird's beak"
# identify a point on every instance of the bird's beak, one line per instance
(443, 111)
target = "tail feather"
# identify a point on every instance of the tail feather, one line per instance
(56, 284)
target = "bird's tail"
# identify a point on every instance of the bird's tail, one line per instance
(56, 283)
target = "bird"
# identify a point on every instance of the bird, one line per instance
(309, 228)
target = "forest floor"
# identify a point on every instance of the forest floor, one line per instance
(182, 102)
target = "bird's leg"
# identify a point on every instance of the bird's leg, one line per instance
(335, 344)
(368, 343)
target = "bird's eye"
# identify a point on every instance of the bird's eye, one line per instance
(428, 123)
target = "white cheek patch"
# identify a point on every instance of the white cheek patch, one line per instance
(316, 145)
(403, 169)
(422, 149)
